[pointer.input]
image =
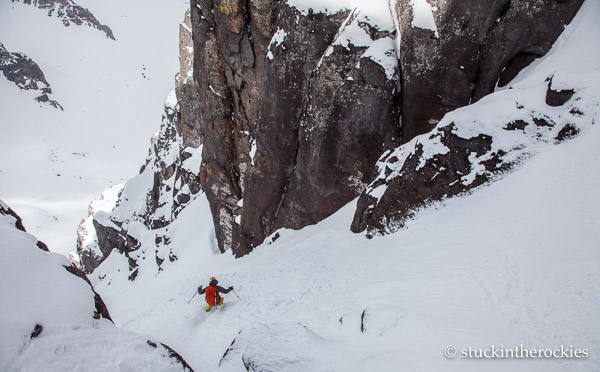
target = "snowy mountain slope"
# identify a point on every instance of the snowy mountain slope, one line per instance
(51, 320)
(112, 91)
(513, 263)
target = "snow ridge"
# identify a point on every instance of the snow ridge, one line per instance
(50, 320)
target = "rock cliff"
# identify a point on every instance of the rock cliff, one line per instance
(287, 107)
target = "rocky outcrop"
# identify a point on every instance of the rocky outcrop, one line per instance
(293, 122)
(168, 181)
(475, 145)
(287, 109)
(475, 47)
(26, 74)
(70, 13)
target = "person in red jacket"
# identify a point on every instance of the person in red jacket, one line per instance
(213, 293)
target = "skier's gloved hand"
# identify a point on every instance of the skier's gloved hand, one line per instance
(199, 289)
(230, 288)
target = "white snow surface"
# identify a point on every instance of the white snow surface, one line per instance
(377, 13)
(36, 289)
(53, 162)
(423, 16)
(516, 262)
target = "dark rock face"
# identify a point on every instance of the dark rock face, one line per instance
(292, 112)
(315, 122)
(285, 114)
(557, 98)
(480, 45)
(110, 237)
(26, 74)
(70, 13)
(465, 151)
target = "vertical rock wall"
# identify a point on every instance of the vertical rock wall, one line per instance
(290, 109)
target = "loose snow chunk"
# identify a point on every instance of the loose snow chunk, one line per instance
(383, 52)
(276, 40)
(423, 16)
(214, 91)
(252, 151)
(432, 146)
(193, 163)
(377, 13)
(185, 27)
(476, 168)
(378, 192)
(353, 34)
(171, 101)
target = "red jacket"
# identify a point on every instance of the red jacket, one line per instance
(213, 292)
(212, 295)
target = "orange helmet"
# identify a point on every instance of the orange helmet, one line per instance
(213, 278)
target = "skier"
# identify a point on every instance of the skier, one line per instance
(213, 293)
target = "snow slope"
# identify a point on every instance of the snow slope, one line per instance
(48, 317)
(53, 162)
(516, 262)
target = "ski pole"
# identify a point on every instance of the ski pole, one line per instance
(235, 294)
(192, 297)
